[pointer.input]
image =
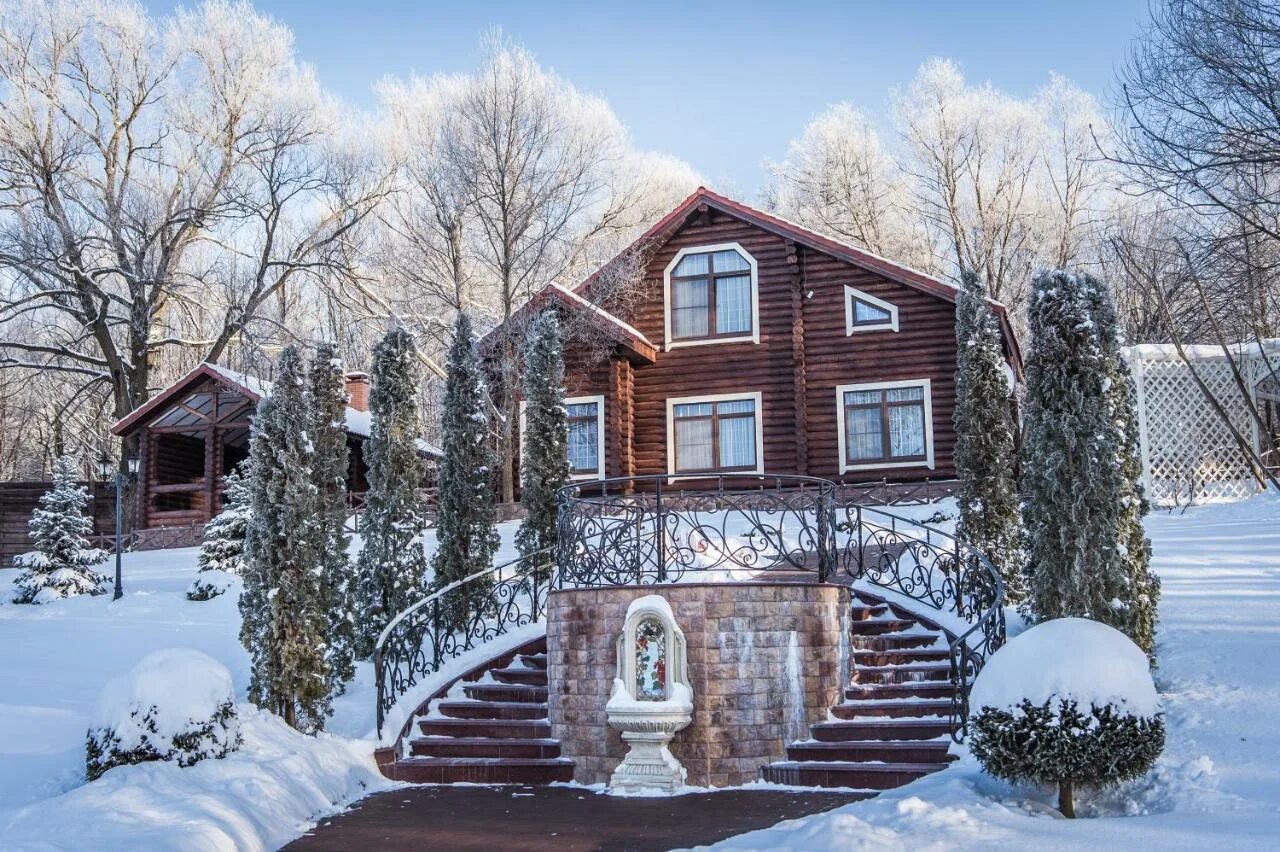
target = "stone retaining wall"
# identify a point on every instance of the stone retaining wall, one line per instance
(766, 660)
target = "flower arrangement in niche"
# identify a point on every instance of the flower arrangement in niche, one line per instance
(651, 660)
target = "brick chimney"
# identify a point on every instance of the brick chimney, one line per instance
(358, 391)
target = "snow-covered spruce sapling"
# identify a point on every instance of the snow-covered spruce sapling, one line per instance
(391, 568)
(1068, 702)
(986, 449)
(222, 547)
(544, 465)
(465, 523)
(61, 566)
(176, 704)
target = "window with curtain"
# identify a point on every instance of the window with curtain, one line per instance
(711, 296)
(584, 437)
(715, 437)
(885, 425)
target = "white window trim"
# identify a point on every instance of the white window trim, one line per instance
(753, 337)
(851, 293)
(925, 384)
(673, 401)
(598, 399)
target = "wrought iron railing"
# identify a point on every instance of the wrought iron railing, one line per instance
(454, 619)
(939, 570)
(641, 530)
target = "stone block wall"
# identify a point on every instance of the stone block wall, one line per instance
(766, 660)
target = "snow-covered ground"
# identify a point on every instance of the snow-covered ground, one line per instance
(1217, 785)
(55, 660)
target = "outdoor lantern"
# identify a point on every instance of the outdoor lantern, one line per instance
(132, 462)
(104, 466)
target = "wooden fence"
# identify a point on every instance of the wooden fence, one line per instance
(18, 501)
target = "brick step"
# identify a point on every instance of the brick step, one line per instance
(886, 625)
(896, 708)
(484, 747)
(509, 692)
(482, 770)
(859, 776)
(492, 710)
(516, 729)
(893, 642)
(910, 673)
(883, 728)
(534, 661)
(909, 689)
(863, 751)
(866, 612)
(900, 657)
(532, 677)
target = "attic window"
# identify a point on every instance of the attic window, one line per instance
(711, 296)
(865, 312)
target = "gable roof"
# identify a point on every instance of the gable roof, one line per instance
(252, 387)
(620, 332)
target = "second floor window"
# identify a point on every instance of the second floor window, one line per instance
(711, 296)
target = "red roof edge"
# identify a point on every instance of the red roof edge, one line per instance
(127, 423)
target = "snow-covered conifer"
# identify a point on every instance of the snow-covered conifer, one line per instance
(544, 465)
(222, 546)
(985, 453)
(465, 527)
(285, 622)
(61, 566)
(391, 568)
(327, 408)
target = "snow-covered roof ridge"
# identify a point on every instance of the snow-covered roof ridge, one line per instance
(602, 313)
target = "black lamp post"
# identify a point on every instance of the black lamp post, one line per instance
(118, 482)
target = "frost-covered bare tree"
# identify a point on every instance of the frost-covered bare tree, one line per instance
(163, 183)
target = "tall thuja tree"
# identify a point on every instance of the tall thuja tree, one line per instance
(327, 429)
(61, 566)
(1071, 476)
(985, 452)
(391, 569)
(285, 623)
(1135, 610)
(544, 465)
(465, 527)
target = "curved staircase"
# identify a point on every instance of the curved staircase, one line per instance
(488, 727)
(894, 725)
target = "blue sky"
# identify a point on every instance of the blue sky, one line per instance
(721, 85)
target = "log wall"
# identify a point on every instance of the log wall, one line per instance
(18, 500)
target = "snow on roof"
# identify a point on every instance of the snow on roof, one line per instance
(1169, 352)
(601, 312)
(357, 421)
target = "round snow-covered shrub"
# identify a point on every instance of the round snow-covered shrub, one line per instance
(1068, 702)
(210, 584)
(177, 704)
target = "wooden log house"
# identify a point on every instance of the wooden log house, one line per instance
(757, 346)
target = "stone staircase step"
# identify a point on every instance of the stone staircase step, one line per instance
(510, 692)
(907, 689)
(892, 642)
(866, 612)
(497, 728)
(863, 751)
(886, 625)
(482, 770)
(534, 661)
(541, 749)
(492, 710)
(896, 708)
(904, 656)
(532, 677)
(860, 776)
(908, 673)
(883, 728)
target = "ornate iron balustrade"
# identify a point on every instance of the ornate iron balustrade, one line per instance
(642, 530)
(454, 619)
(939, 570)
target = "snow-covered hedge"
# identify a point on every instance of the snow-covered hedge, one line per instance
(1069, 702)
(176, 704)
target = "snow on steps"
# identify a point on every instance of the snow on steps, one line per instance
(894, 725)
(488, 727)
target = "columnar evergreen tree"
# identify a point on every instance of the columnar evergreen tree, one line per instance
(283, 605)
(465, 527)
(61, 566)
(327, 409)
(985, 452)
(222, 546)
(391, 568)
(544, 466)
(1136, 608)
(1083, 508)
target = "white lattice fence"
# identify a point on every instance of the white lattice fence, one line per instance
(1189, 454)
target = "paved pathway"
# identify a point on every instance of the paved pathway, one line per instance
(489, 819)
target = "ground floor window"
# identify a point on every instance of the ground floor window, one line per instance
(586, 436)
(885, 425)
(714, 434)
